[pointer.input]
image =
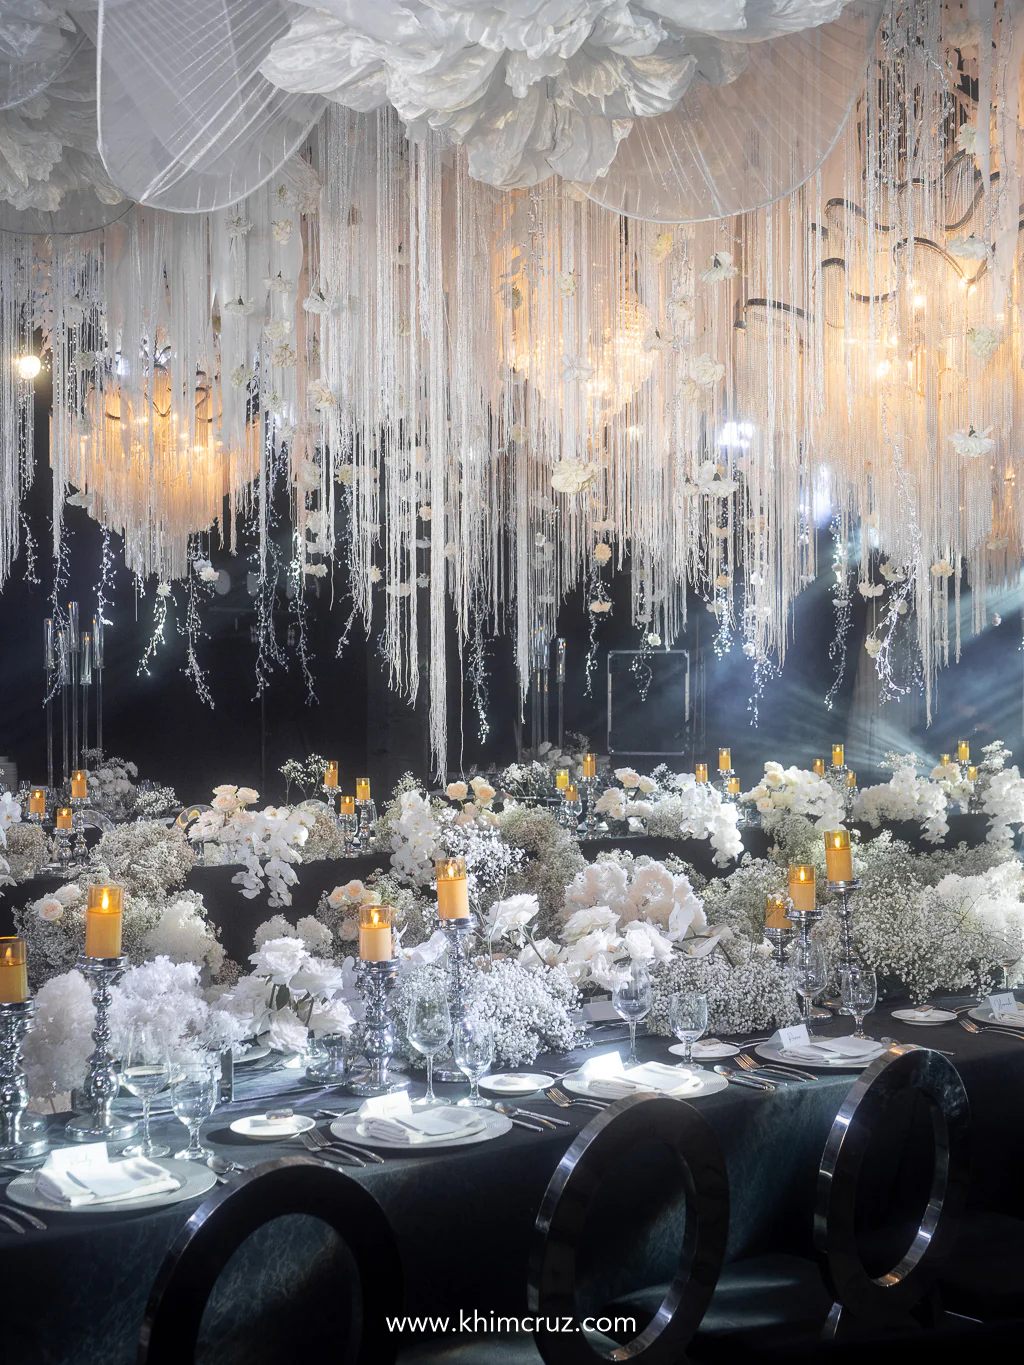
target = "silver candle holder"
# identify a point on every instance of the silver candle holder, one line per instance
(20, 1137)
(455, 931)
(844, 890)
(589, 827)
(805, 921)
(97, 1124)
(780, 937)
(376, 1033)
(365, 840)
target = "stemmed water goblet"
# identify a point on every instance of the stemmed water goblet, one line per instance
(859, 992)
(688, 1019)
(632, 999)
(808, 971)
(429, 1026)
(146, 1071)
(473, 1050)
(194, 1098)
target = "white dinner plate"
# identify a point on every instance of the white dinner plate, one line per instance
(910, 1017)
(983, 1015)
(710, 1084)
(495, 1125)
(771, 1052)
(195, 1176)
(706, 1051)
(260, 1129)
(256, 1053)
(516, 1082)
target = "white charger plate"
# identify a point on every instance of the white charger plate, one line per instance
(983, 1015)
(909, 1017)
(710, 1081)
(771, 1052)
(516, 1082)
(495, 1125)
(195, 1176)
(255, 1126)
(706, 1051)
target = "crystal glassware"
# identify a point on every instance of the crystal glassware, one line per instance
(859, 991)
(473, 1049)
(688, 1019)
(146, 1072)
(429, 1027)
(194, 1098)
(808, 971)
(632, 1000)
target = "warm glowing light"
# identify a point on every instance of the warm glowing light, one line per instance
(29, 366)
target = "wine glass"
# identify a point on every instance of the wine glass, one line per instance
(632, 1000)
(194, 1098)
(473, 1050)
(688, 1019)
(859, 990)
(146, 1071)
(808, 971)
(429, 1027)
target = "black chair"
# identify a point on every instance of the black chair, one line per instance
(788, 1307)
(553, 1279)
(293, 1186)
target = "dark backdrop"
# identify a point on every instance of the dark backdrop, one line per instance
(157, 718)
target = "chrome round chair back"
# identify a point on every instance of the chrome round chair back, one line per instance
(294, 1185)
(561, 1222)
(877, 1299)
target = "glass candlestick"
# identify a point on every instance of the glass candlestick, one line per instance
(375, 1035)
(97, 1124)
(456, 931)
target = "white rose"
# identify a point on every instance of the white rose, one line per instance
(628, 778)
(348, 931)
(286, 1032)
(247, 796)
(647, 785)
(69, 894)
(280, 959)
(456, 791)
(225, 789)
(483, 791)
(592, 920)
(49, 909)
(226, 803)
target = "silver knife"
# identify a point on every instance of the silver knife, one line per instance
(542, 1118)
(533, 1127)
(9, 1210)
(10, 1223)
(741, 1078)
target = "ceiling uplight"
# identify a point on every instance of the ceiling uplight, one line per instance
(29, 366)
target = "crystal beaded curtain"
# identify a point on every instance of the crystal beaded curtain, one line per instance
(482, 399)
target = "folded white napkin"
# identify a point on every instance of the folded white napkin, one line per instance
(664, 1080)
(928, 1012)
(432, 1125)
(858, 1048)
(1010, 1017)
(103, 1181)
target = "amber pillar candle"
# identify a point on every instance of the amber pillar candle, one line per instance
(64, 817)
(346, 805)
(375, 933)
(13, 971)
(838, 858)
(561, 778)
(775, 907)
(362, 789)
(851, 778)
(37, 801)
(572, 793)
(972, 773)
(103, 921)
(819, 766)
(452, 888)
(701, 772)
(331, 775)
(733, 786)
(802, 887)
(724, 760)
(963, 751)
(838, 756)
(590, 765)
(79, 784)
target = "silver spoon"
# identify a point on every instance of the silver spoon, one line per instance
(220, 1165)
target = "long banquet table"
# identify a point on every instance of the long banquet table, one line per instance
(463, 1219)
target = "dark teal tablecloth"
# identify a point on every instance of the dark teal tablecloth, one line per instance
(75, 1294)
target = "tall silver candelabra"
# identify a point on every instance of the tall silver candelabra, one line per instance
(20, 1137)
(376, 1032)
(844, 890)
(456, 931)
(805, 921)
(97, 1124)
(589, 785)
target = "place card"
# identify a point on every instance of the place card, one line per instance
(794, 1036)
(1003, 1003)
(63, 1159)
(386, 1106)
(602, 1068)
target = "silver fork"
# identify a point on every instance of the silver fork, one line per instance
(747, 1063)
(548, 1120)
(564, 1102)
(1005, 1030)
(363, 1153)
(16, 1211)
(318, 1145)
